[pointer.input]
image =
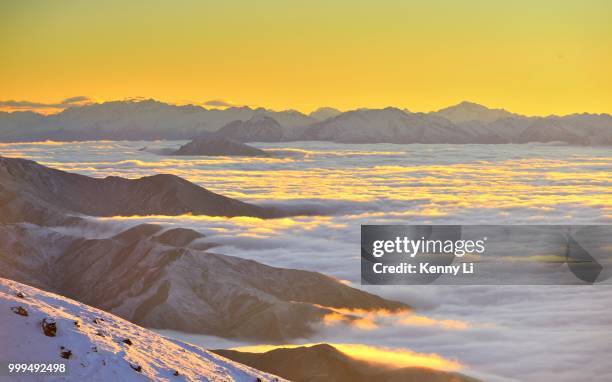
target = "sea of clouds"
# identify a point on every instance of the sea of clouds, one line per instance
(507, 333)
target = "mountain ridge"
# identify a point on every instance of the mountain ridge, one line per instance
(168, 279)
(465, 122)
(467, 111)
(329, 364)
(35, 193)
(218, 145)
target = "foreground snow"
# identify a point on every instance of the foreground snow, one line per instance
(102, 347)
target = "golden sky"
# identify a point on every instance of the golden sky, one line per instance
(531, 57)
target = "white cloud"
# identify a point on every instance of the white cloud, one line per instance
(521, 333)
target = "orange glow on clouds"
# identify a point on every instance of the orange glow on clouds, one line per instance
(414, 320)
(385, 356)
(397, 357)
(372, 319)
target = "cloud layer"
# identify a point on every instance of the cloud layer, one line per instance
(504, 333)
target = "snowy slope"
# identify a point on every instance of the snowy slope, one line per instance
(96, 343)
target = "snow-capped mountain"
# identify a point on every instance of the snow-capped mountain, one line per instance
(584, 129)
(466, 122)
(132, 120)
(258, 128)
(475, 124)
(385, 125)
(98, 346)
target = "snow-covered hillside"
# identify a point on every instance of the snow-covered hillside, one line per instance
(98, 346)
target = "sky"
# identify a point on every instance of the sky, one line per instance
(531, 57)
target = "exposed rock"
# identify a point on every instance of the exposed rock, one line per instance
(20, 310)
(49, 327)
(136, 367)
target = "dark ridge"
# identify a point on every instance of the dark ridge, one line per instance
(217, 145)
(30, 192)
(324, 362)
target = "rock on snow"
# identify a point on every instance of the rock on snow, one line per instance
(99, 346)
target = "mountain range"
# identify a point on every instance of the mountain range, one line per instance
(131, 120)
(154, 276)
(30, 192)
(466, 122)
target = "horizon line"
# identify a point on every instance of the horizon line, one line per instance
(51, 109)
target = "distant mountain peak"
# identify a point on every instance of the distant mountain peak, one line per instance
(467, 111)
(470, 104)
(260, 127)
(324, 113)
(326, 108)
(467, 105)
(261, 118)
